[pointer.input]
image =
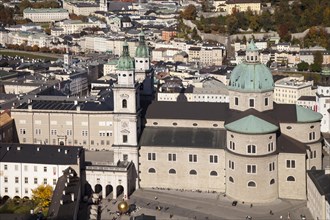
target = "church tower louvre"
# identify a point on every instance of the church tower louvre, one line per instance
(143, 70)
(251, 83)
(126, 111)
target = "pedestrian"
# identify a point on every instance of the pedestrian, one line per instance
(156, 197)
(281, 217)
(251, 205)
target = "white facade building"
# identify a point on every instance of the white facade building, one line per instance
(25, 167)
(290, 89)
(45, 14)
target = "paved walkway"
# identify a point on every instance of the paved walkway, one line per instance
(193, 205)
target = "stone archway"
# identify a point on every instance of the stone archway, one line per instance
(108, 190)
(98, 188)
(119, 190)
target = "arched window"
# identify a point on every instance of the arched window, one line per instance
(251, 184)
(124, 103)
(152, 170)
(291, 179)
(231, 179)
(272, 181)
(193, 172)
(213, 173)
(172, 171)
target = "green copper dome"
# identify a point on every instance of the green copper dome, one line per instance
(125, 62)
(251, 75)
(142, 51)
(251, 125)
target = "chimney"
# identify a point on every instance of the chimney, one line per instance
(63, 192)
(38, 148)
(66, 151)
(61, 201)
(72, 197)
(18, 148)
(29, 107)
(8, 148)
(59, 150)
(78, 108)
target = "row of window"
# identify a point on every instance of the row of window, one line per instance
(35, 168)
(252, 102)
(191, 172)
(26, 180)
(175, 124)
(252, 168)
(69, 132)
(251, 149)
(191, 157)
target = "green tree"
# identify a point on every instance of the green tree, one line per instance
(23, 5)
(303, 66)
(318, 57)
(232, 24)
(42, 195)
(315, 67)
(190, 12)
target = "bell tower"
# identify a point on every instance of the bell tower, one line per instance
(144, 72)
(126, 112)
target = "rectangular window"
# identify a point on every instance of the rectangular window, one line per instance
(35, 180)
(266, 101)
(6, 179)
(16, 190)
(231, 165)
(69, 132)
(5, 167)
(251, 149)
(38, 131)
(26, 180)
(251, 168)
(151, 156)
(232, 145)
(272, 166)
(22, 131)
(290, 164)
(251, 103)
(54, 181)
(124, 138)
(45, 169)
(270, 147)
(6, 189)
(45, 181)
(84, 133)
(53, 132)
(25, 168)
(213, 158)
(26, 190)
(16, 179)
(35, 168)
(236, 100)
(312, 136)
(16, 167)
(171, 157)
(193, 158)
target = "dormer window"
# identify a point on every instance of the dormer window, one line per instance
(251, 103)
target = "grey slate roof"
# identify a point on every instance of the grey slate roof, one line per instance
(217, 112)
(321, 181)
(47, 154)
(183, 137)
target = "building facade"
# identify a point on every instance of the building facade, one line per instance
(247, 149)
(45, 14)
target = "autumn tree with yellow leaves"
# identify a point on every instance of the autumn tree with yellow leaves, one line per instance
(42, 195)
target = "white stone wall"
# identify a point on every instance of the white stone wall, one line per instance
(315, 201)
(243, 100)
(182, 179)
(292, 189)
(18, 179)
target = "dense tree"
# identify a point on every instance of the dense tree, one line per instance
(303, 66)
(317, 36)
(232, 24)
(6, 15)
(318, 57)
(314, 67)
(190, 12)
(42, 195)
